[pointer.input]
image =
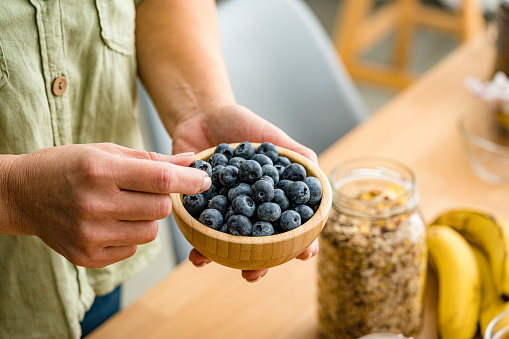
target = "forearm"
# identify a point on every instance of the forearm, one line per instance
(179, 57)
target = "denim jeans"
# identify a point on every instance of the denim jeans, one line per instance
(102, 308)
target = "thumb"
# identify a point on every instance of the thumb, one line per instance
(157, 176)
(280, 138)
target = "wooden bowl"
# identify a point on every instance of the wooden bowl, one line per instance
(254, 253)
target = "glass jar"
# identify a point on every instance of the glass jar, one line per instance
(373, 254)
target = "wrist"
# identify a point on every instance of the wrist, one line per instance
(9, 182)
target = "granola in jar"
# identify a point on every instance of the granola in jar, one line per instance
(372, 262)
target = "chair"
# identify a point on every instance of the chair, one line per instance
(283, 66)
(358, 27)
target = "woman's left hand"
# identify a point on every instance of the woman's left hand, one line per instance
(234, 123)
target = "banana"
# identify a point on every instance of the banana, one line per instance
(491, 234)
(491, 303)
(458, 283)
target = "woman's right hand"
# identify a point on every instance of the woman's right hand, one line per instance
(92, 203)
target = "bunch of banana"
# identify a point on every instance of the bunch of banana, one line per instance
(473, 275)
(459, 296)
(491, 234)
(491, 303)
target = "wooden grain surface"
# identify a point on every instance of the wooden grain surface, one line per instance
(255, 253)
(419, 128)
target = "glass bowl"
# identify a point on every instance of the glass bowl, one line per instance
(384, 336)
(486, 144)
(498, 327)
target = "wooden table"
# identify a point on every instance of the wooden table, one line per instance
(419, 128)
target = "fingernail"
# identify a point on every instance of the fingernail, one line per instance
(186, 154)
(309, 257)
(200, 265)
(206, 183)
(253, 281)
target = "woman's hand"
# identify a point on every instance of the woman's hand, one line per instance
(231, 123)
(234, 123)
(92, 203)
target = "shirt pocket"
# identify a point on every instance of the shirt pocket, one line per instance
(4, 73)
(117, 20)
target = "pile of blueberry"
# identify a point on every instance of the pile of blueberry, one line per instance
(254, 191)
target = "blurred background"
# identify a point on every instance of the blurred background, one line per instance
(428, 46)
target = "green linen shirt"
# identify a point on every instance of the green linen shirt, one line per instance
(91, 44)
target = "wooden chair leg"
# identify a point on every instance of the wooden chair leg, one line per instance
(472, 19)
(349, 16)
(404, 32)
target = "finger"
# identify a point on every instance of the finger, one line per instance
(309, 252)
(198, 259)
(276, 136)
(253, 276)
(182, 159)
(105, 257)
(299, 148)
(124, 233)
(158, 177)
(132, 206)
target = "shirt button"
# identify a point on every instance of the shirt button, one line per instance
(59, 86)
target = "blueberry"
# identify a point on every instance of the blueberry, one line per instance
(305, 212)
(272, 172)
(195, 204)
(215, 175)
(262, 159)
(220, 203)
(218, 159)
(224, 191)
(277, 227)
(211, 192)
(283, 161)
(250, 171)
(239, 225)
(224, 228)
(211, 218)
(269, 150)
(244, 205)
(202, 165)
(268, 179)
(284, 184)
(294, 172)
(236, 161)
(225, 149)
(289, 220)
(281, 199)
(262, 229)
(244, 150)
(240, 189)
(262, 191)
(298, 192)
(229, 176)
(315, 191)
(280, 169)
(228, 214)
(268, 211)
